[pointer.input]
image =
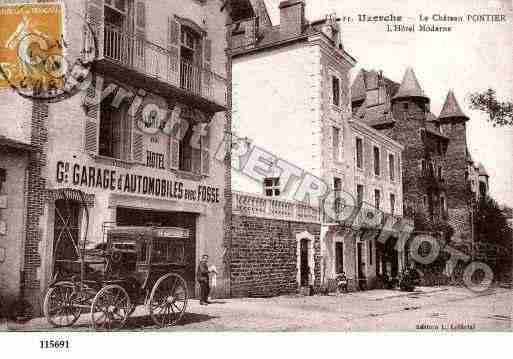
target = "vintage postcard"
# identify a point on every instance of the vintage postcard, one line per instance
(255, 165)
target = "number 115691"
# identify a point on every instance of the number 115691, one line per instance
(54, 344)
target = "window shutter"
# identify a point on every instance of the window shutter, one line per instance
(137, 141)
(207, 65)
(140, 31)
(329, 79)
(92, 100)
(173, 46)
(205, 153)
(96, 20)
(174, 145)
(196, 160)
(383, 158)
(174, 153)
(208, 50)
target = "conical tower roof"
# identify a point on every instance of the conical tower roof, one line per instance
(410, 87)
(451, 108)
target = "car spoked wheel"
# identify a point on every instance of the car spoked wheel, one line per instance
(110, 308)
(60, 306)
(168, 300)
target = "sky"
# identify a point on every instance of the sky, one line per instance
(472, 57)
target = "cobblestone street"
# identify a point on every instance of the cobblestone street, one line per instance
(369, 310)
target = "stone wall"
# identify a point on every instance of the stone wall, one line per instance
(264, 258)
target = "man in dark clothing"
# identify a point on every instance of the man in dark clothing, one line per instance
(203, 280)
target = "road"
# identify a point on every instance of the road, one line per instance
(441, 309)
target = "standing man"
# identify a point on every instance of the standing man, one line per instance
(203, 279)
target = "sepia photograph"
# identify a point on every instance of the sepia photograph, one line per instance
(255, 166)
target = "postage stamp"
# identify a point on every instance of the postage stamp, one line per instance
(32, 49)
(34, 56)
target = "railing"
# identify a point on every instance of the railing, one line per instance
(138, 53)
(273, 208)
(255, 205)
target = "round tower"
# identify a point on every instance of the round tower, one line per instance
(410, 102)
(458, 169)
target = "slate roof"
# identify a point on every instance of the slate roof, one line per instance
(365, 80)
(410, 86)
(451, 108)
(358, 88)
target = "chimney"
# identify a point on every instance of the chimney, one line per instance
(292, 17)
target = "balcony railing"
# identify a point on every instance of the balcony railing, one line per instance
(136, 52)
(276, 208)
(273, 208)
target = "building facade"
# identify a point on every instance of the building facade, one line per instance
(291, 97)
(136, 142)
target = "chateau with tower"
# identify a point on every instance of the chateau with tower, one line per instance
(441, 182)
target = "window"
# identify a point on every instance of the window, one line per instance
(272, 187)
(339, 257)
(337, 184)
(189, 56)
(376, 161)
(115, 131)
(392, 203)
(442, 203)
(377, 198)
(359, 194)
(391, 166)
(423, 166)
(440, 173)
(440, 148)
(336, 91)
(336, 143)
(370, 252)
(425, 200)
(186, 151)
(359, 153)
(431, 169)
(3, 176)
(405, 105)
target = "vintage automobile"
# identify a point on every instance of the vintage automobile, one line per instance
(134, 266)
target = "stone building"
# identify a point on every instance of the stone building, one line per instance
(441, 182)
(159, 63)
(291, 99)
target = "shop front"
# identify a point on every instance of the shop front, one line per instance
(114, 199)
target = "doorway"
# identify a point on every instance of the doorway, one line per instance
(66, 252)
(362, 281)
(304, 268)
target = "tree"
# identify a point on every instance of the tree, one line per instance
(493, 231)
(491, 223)
(500, 113)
